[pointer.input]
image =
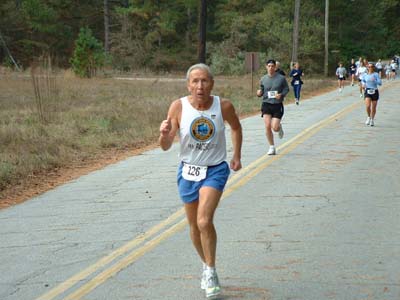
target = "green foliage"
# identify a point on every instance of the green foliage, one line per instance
(7, 62)
(155, 34)
(41, 17)
(228, 65)
(226, 57)
(49, 33)
(163, 34)
(88, 54)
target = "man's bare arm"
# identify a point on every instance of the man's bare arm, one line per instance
(169, 127)
(229, 114)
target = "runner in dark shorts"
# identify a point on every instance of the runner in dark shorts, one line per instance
(273, 89)
(275, 110)
(370, 82)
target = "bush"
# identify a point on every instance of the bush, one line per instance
(88, 54)
(226, 59)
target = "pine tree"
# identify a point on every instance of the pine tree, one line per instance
(88, 54)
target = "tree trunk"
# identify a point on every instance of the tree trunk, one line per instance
(106, 27)
(295, 31)
(326, 60)
(189, 27)
(202, 32)
(3, 43)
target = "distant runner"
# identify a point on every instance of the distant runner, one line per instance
(388, 69)
(273, 89)
(379, 67)
(296, 83)
(361, 71)
(341, 76)
(352, 71)
(370, 81)
(278, 69)
(393, 67)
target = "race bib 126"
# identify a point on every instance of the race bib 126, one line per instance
(193, 172)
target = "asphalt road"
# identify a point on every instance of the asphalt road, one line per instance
(320, 220)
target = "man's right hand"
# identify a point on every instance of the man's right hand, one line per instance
(165, 127)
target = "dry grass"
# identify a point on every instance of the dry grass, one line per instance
(85, 118)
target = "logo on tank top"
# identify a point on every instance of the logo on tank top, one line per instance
(202, 129)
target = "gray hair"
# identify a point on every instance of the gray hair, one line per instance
(200, 66)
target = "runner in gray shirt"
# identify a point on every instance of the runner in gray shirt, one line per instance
(341, 76)
(273, 89)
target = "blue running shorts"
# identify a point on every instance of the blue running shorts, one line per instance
(216, 177)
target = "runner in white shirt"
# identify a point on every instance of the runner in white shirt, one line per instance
(379, 67)
(199, 119)
(358, 61)
(388, 70)
(393, 67)
(361, 71)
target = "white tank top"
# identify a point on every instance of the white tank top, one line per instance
(202, 134)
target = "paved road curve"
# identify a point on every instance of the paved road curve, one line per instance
(320, 220)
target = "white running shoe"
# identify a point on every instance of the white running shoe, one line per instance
(281, 133)
(213, 288)
(368, 121)
(203, 283)
(340, 90)
(371, 123)
(271, 150)
(361, 95)
(297, 101)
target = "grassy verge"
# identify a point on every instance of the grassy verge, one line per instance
(81, 120)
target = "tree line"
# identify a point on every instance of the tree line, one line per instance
(162, 35)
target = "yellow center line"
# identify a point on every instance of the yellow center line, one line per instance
(126, 261)
(266, 160)
(239, 175)
(115, 254)
(136, 254)
(109, 258)
(122, 250)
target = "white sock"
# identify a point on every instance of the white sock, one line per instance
(210, 270)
